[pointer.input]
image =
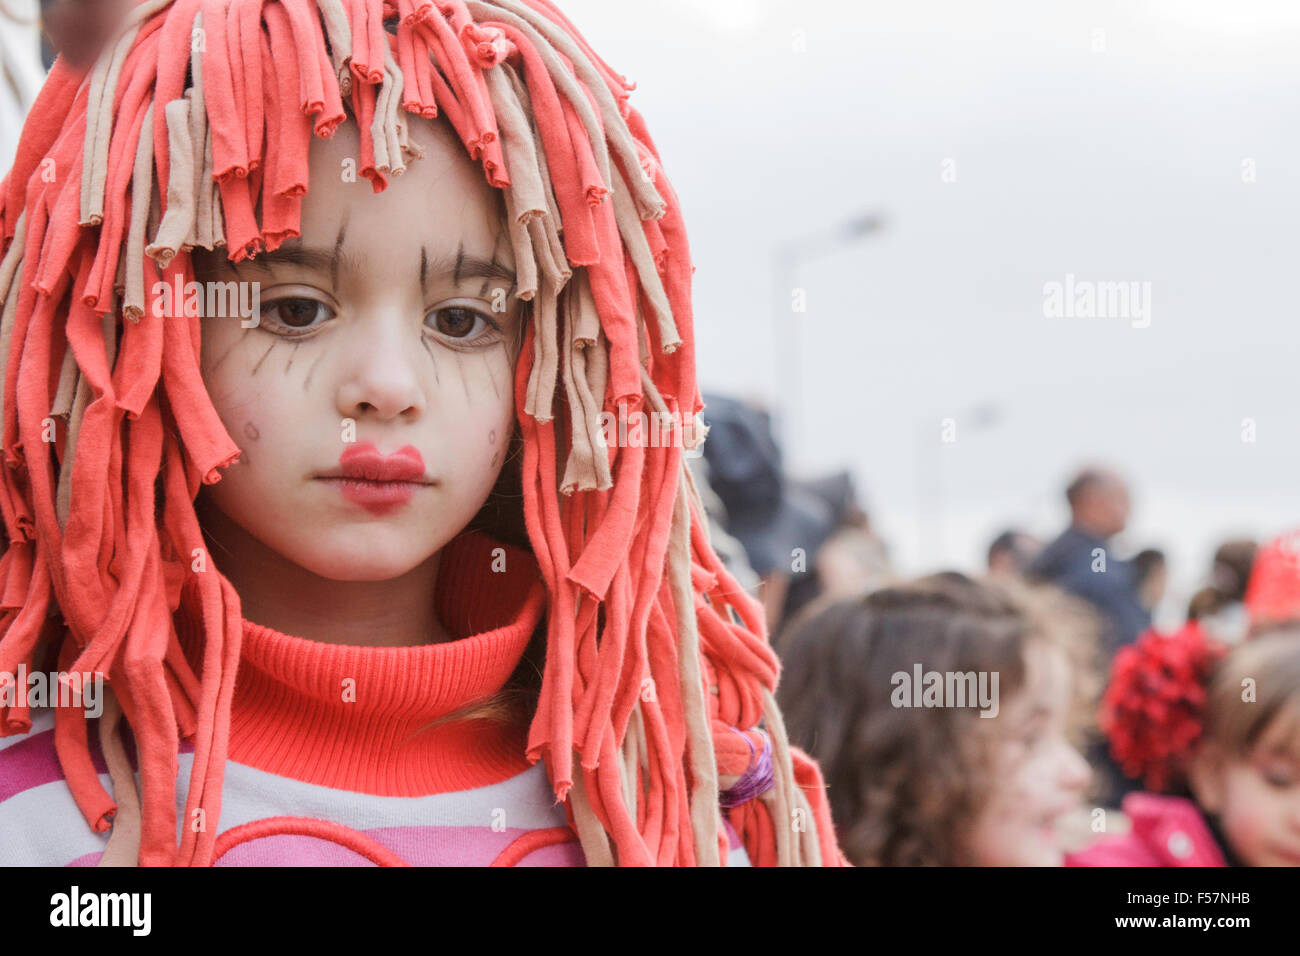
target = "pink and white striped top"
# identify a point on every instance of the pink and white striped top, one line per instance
(319, 777)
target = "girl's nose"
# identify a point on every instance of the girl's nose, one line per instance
(380, 374)
(1074, 770)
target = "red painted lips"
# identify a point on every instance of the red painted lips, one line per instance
(378, 483)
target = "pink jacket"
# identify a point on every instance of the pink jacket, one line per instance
(1166, 831)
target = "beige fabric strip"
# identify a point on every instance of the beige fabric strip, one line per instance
(549, 229)
(378, 131)
(394, 123)
(584, 358)
(630, 228)
(204, 228)
(555, 270)
(642, 335)
(198, 112)
(14, 257)
(379, 122)
(10, 276)
(542, 377)
(629, 762)
(699, 739)
(698, 502)
(521, 91)
(99, 110)
(811, 847)
(7, 334)
(214, 194)
(786, 848)
(123, 848)
(63, 494)
(592, 836)
(68, 376)
(517, 146)
(141, 195)
(178, 221)
(522, 245)
(580, 468)
(778, 810)
(526, 195)
(588, 330)
(339, 32)
(805, 837)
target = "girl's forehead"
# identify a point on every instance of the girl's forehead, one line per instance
(441, 203)
(1047, 684)
(1281, 735)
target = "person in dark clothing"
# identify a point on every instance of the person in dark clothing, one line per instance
(1079, 560)
(1151, 575)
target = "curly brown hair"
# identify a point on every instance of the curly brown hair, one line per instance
(907, 782)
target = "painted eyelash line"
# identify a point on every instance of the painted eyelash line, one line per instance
(448, 340)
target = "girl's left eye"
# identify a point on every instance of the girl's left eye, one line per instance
(461, 323)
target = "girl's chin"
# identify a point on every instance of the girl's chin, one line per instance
(1050, 852)
(1032, 846)
(1038, 855)
(336, 562)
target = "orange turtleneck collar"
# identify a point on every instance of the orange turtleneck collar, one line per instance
(351, 717)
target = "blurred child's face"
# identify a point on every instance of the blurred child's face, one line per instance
(1257, 800)
(1038, 776)
(377, 328)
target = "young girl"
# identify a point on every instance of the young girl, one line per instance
(1222, 736)
(927, 775)
(314, 312)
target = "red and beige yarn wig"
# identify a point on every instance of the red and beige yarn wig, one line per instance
(191, 130)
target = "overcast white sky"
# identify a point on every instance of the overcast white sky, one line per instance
(1123, 163)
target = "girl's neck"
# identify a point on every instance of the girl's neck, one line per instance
(282, 595)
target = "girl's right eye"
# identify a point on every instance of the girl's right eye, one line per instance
(294, 316)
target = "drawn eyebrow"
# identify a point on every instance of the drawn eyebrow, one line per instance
(338, 253)
(318, 260)
(461, 267)
(464, 266)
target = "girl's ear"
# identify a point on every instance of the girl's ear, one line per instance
(1205, 777)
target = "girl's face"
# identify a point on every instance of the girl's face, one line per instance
(1039, 777)
(1257, 799)
(389, 326)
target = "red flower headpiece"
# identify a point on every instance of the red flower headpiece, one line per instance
(1273, 594)
(1153, 707)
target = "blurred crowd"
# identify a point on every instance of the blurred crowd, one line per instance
(1112, 742)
